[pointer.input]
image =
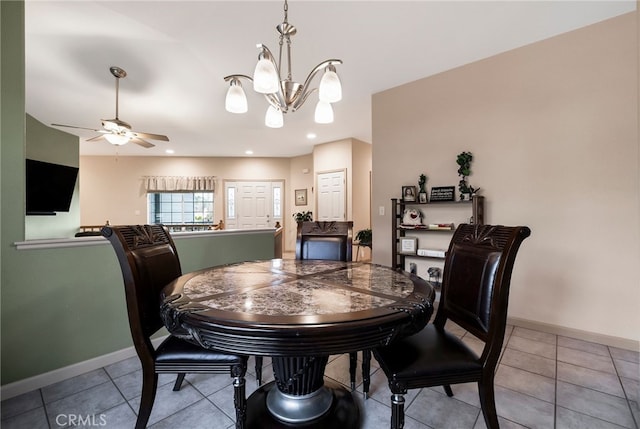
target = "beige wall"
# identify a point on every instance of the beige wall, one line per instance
(112, 188)
(335, 156)
(355, 158)
(302, 177)
(553, 127)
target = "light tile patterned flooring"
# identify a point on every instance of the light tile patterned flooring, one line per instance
(543, 381)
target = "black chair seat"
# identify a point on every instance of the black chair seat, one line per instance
(173, 350)
(427, 354)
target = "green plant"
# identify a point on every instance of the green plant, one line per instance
(365, 237)
(303, 216)
(464, 170)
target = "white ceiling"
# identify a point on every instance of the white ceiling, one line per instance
(176, 54)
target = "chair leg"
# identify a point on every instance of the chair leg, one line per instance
(149, 386)
(488, 404)
(397, 411)
(240, 401)
(366, 372)
(447, 390)
(259, 370)
(353, 365)
(179, 381)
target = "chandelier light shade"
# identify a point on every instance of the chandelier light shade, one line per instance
(284, 94)
(265, 76)
(274, 117)
(330, 89)
(324, 112)
(236, 101)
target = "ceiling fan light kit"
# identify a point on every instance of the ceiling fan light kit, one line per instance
(285, 95)
(119, 132)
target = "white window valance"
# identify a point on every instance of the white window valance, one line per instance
(179, 183)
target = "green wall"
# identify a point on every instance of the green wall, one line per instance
(47, 144)
(66, 305)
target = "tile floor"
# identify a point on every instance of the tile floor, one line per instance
(543, 381)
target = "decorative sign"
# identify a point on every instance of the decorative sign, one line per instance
(443, 193)
(408, 245)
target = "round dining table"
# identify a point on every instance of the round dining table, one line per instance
(298, 312)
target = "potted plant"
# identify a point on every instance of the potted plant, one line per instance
(303, 216)
(464, 170)
(364, 237)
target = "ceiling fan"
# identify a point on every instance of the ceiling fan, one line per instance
(118, 132)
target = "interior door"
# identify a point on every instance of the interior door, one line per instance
(331, 196)
(252, 205)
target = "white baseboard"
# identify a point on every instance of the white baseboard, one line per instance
(607, 340)
(38, 381)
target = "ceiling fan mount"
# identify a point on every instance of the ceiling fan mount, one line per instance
(118, 72)
(116, 131)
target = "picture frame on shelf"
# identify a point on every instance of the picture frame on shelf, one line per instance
(301, 197)
(409, 194)
(443, 193)
(408, 245)
(422, 197)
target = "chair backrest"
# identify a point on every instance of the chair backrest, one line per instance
(325, 240)
(149, 261)
(476, 281)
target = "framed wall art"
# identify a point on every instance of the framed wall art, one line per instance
(301, 197)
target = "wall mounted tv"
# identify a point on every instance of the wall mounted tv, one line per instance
(49, 187)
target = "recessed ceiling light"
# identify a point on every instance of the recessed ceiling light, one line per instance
(170, 151)
(311, 136)
(248, 152)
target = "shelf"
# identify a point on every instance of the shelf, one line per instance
(475, 207)
(432, 203)
(415, 255)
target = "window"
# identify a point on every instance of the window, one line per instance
(180, 208)
(277, 202)
(231, 202)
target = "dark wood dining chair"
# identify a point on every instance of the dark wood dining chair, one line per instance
(474, 295)
(333, 241)
(149, 261)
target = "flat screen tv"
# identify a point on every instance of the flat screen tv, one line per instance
(49, 187)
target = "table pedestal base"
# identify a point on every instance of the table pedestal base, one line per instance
(343, 412)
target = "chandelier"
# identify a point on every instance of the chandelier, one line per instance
(285, 95)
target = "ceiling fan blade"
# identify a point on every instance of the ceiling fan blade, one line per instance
(151, 136)
(141, 142)
(96, 138)
(73, 126)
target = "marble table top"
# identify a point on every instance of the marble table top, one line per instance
(262, 306)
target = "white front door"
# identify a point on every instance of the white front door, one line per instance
(252, 205)
(331, 196)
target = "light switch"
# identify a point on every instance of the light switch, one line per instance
(381, 210)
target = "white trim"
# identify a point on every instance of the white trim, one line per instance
(56, 243)
(41, 380)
